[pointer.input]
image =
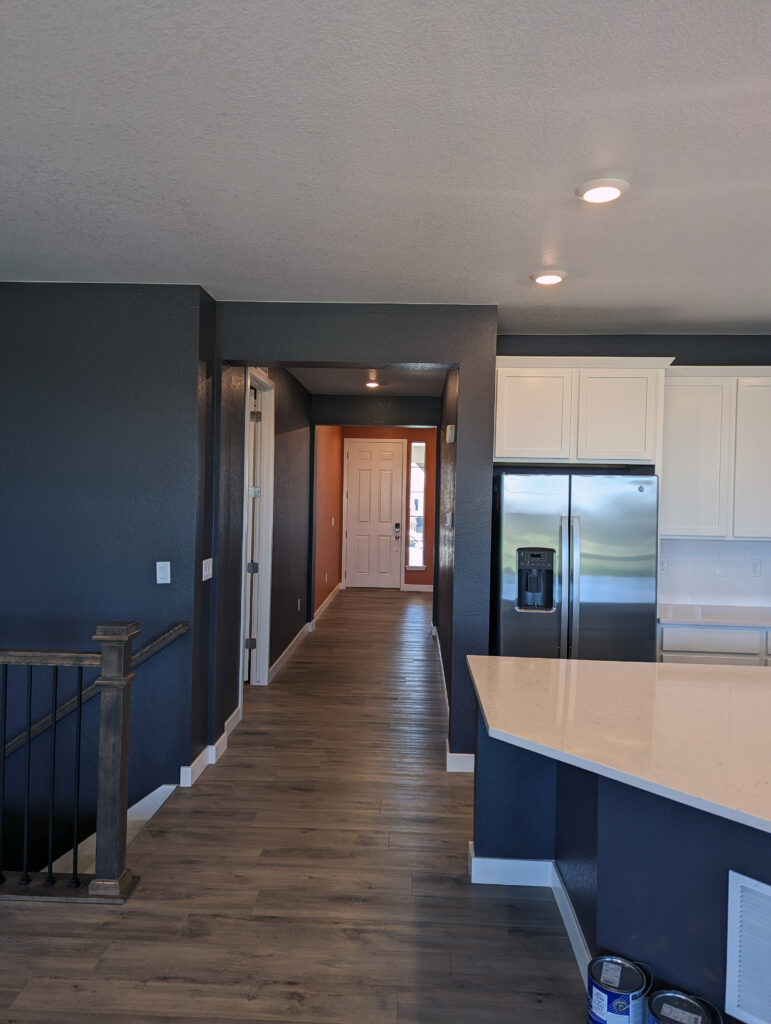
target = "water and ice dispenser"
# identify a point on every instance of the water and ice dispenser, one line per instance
(535, 572)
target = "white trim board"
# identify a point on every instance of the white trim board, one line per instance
(189, 773)
(326, 602)
(587, 362)
(139, 814)
(426, 588)
(288, 651)
(541, 873)
(458, 762)
(235, 719)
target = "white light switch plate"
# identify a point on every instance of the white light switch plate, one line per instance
(163, 572)
(208, 568)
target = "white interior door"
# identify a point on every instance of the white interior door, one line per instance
(374, 510)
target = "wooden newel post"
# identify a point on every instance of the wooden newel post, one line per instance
(112, 877)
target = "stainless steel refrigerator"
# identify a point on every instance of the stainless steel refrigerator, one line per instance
(576, 566)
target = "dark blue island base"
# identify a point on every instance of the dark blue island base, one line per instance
(647, 877)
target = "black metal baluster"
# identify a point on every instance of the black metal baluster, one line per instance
(74, 882)
(25, 879)
(50, 879)
(3, 710)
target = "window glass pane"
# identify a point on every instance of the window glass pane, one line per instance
(417, 501)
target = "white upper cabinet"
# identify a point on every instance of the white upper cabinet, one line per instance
(617, 414)
(533, 413)
(696, 471)
(578, 410)
(752, 490)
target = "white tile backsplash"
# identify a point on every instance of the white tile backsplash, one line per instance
(715, 572)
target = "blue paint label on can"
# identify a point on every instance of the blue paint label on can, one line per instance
(616, 990)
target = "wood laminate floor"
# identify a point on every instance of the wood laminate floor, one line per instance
(317, 873)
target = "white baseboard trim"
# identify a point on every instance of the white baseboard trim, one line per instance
(286, 654)
(234, 719)
(188, 773)
(543, 873)
(139, 814)
(458, 762)
(425, 588)
(572, 926)
(326, 602)
(507, 871)
(216, 750)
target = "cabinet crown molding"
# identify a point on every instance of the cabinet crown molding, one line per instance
(586, 362)
(718, 371)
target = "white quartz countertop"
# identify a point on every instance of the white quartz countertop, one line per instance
(714, 615)
(698, 734)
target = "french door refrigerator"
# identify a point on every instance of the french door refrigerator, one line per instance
(576, 566)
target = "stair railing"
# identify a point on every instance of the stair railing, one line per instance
(112, 880)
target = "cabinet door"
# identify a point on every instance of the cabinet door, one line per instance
(752, 489)
(533, 412)
(697, 472)
(617, 415)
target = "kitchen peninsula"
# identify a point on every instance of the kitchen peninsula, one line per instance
(631, 788)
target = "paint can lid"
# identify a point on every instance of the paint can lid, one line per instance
(678, 1008)
(617, 975)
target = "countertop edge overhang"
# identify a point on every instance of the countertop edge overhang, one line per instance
(602, 767)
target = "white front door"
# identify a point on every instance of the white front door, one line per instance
(374, 512)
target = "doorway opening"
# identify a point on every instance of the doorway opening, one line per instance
(259, 430)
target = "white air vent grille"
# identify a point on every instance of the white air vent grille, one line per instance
(748, 964)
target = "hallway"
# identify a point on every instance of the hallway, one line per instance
(317, 873)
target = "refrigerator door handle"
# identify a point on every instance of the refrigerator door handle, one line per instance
(564, 583)
(576, 581)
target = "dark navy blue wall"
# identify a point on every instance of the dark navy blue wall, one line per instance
(255, 333)
(230, 390)
(202, 589)
(514, 800)
(445, 556)
(575, 844)
(291, 511)
(375, 411)
(688, 349)
(98, 461)
(663, 884)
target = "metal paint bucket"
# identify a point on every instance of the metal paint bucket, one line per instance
(616, 990)
(672, 1007)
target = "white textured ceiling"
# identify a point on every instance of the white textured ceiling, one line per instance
(371, 151)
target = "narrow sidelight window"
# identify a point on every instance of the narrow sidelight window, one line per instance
(417, 503)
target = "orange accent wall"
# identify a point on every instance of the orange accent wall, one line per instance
(329, 506)
(428, 435)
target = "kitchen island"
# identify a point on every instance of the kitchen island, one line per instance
(632, 789)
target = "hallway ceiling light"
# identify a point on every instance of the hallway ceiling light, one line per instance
(548, 276)
(602, 190)
(372, 384)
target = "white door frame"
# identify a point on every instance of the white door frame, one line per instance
(256, 662)
(405, 450)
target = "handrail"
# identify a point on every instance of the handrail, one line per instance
(90, 659)
(159, 643)
(82, 658)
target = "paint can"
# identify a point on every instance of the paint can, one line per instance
(616, 991)
(670, 1007)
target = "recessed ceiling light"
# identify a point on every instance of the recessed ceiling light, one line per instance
(602, 190)
(549, 276)
(372, 384)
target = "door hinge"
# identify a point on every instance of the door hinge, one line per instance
(254, 492)
(255, 416)
(251, 643)
(252, 566)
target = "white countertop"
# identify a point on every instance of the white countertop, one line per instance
(698, 734)
(714, 615)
